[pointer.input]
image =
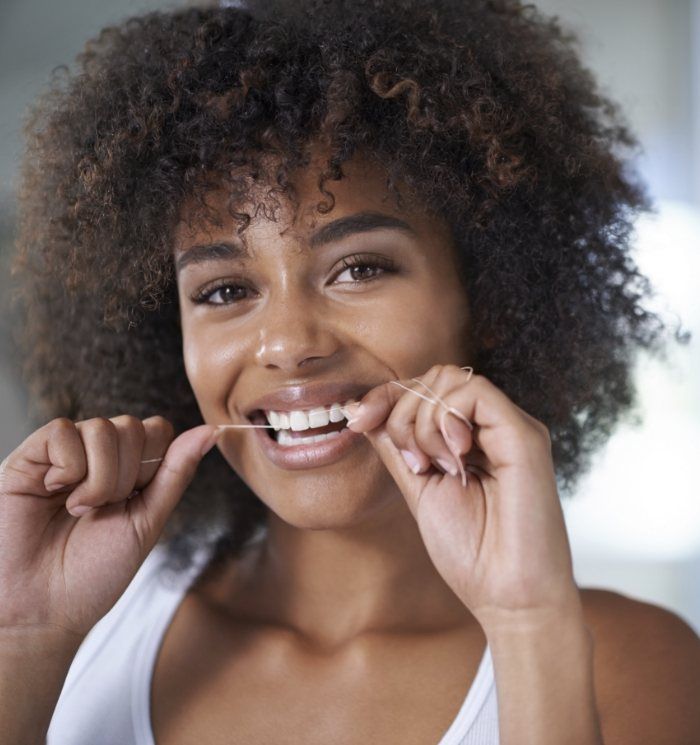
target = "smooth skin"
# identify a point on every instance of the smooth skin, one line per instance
(59, 574)
(363, 615)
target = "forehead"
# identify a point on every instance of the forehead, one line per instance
(363, 188)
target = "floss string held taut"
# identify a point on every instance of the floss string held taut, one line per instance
(434, 401)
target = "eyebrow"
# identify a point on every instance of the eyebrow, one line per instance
(335, 230)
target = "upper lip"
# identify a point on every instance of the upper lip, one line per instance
(296, 397)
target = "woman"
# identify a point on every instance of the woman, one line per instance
(464, 278)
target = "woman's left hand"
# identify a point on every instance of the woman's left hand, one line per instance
(500, 542)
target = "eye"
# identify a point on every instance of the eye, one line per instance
(224, 293)
(362, 269)
(366, 268)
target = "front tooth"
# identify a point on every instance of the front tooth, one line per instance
(318, 417)
(298, 421)
(274, 418)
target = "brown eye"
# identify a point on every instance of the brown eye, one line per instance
(223, 294)
(366, 268)
(362, 271)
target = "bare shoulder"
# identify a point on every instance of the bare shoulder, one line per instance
(647, 671)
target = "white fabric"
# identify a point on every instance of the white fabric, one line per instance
(105, 699)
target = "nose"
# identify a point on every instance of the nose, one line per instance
(293, 333)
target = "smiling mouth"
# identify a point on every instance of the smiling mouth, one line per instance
(285, 435)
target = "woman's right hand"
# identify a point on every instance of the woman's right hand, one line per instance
(59, 574)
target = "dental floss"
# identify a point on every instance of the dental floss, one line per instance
(434, 401)
(446, 410)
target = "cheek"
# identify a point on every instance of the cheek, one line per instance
(429, 327)
(210, 363)
(411, 336)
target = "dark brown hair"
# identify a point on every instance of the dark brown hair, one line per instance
(482, 108)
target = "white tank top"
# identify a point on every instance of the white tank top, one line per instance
(105, 699)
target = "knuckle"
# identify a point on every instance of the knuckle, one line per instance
(478, 380)
(544, 432)
(452, 369)
(128, 421)
(60, 426)
(62, 422)
(539, 426)
(101, 427)
(134, 427)
(161, 425)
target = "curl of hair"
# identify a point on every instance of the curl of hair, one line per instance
(482, 109)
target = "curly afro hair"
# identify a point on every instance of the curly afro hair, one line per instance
(481, 108)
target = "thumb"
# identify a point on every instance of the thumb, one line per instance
(410, 484)
(158, 499)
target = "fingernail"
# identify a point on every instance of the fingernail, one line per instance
(353, 411)
(78, 510)
(411, 461)
(447, 466)
(54, 487)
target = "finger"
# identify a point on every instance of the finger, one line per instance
(101, 444)
(159, 433)
(130, 439)
(377, 404)
(152, 508)
(410, 484)
(501, 431)
(401, 427)
(428, 433)
(48, 460)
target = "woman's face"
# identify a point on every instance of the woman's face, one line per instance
(291, 314)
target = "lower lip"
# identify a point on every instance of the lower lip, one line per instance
(312, 455)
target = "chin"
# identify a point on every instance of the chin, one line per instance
(318, 503)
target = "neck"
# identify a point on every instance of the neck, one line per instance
(333, 585)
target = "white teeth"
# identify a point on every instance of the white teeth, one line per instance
(318, 417)
(336, 414)
(286, 440)
(298, 421)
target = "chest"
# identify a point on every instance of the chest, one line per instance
(218, 683)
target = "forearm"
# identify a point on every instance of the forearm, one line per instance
(33, 668)
(544, 680)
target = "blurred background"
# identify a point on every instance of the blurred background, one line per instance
(634, 524)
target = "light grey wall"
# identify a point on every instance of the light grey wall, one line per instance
(641, 51)
(12, 403)
(694, 27)
(36, 36)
